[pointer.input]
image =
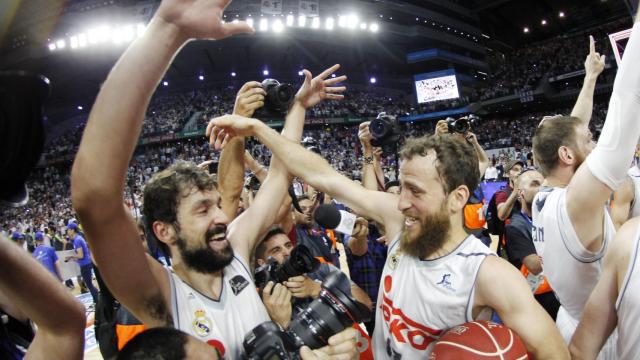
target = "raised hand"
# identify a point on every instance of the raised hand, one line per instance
(277, 300)
(250, 98)
(442, 127)
(319, 88)
(364, 135)
(200, 19)
(594, 64)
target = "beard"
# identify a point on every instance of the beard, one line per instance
(205, 260)
(433, 234)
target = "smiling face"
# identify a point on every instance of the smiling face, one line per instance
(424, 204)
(201, 232)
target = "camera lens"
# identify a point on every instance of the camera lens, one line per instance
(378, 128)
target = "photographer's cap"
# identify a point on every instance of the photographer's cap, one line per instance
(514, 163)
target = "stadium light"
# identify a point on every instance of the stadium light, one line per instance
(543, 22)
(52, 46)
(60, 44)
(526, 30)
(264, 24)
(302, 21)
(249, 22)
(352, 21)
(329, 23)
(290, 20)
(373, 80)
(233, 74)
(342, 21)
(561, 14)
(315, 23)
(265, 72)
(373, 27)
(103, 33)
(73, 42)
(79, 107)
(363, 26)
(165, 83)
(82, 40)
(300, 73)
(333, 75)
(277, 26)
(140, 28)
(201, 77)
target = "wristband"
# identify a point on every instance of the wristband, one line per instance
(368, 160)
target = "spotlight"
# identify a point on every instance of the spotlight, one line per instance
(200, 77)
(249, 22)
(264, 24)
(233, 74)
(315, 23)
(329, 23)
(73, 42)
(52, 47)
(128, 33)
(265, 72)
(165, 83)
(302, 21)
(363, 26)
(526, 30)
(561, 14)
(61, 44)
(373, 80)
(82, 40)
(544, 22)
(290, 20)
(79, 107)
(278, 27)
(342, 21)
(300, 73)
(352, 21)
(333, 75)
(373, 27)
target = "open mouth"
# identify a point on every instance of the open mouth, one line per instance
(409, 221)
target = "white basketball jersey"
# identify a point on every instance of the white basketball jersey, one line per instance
(421, 299)
(634, 174)
(628, 308)
(222, 323)
(572, 270)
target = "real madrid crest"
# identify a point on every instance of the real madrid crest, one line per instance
(394, 261)
(201, 323)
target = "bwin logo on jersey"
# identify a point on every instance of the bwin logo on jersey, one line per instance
(446, 283)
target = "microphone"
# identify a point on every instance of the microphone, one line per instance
(328, 216)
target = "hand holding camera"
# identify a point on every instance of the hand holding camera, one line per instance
(250, 98)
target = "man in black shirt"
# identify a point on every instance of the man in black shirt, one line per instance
(520, 249)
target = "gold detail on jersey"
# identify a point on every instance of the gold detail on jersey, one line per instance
(394, 261)
(201, 324)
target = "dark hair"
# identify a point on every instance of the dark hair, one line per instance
(457, 160)
(161, 343)
(163, 192)
(261, 248)
(551, 134)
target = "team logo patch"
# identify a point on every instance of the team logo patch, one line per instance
(201, 323)
(238, 283)
(394, 261)
(446, 282)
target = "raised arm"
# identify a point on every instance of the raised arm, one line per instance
(368, 169)
(37, 294)
(100, 168)
(607, 165)
(231, 167)
(593, 66)
(483, 159)
(244, 231)
(600, 317)
(316, 171)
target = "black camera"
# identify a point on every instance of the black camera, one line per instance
(300, 262)
(461, 125)
(277, 101)
(310, 144)
(333, 311)
(385, 130)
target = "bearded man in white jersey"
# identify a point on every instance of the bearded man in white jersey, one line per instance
(571, 225)
(436, 275)
(209, 292)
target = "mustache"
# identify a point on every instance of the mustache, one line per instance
(217, 229)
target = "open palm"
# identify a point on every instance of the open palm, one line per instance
(319, 88)
(200, 19)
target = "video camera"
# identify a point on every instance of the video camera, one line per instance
(277, 101)
(461, 125)
(300, 262)
(333, 311)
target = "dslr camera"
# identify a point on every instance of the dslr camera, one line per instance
(385, 130)
(300, 262)
(277, 101)
(461, 125)
(333, 311)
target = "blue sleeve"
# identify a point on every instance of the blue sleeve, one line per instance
(54, 256)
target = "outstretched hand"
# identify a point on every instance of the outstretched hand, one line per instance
(200, 19)
(223, 128)
(594, 64)
(319, 88)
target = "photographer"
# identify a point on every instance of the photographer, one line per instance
(303, 288)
